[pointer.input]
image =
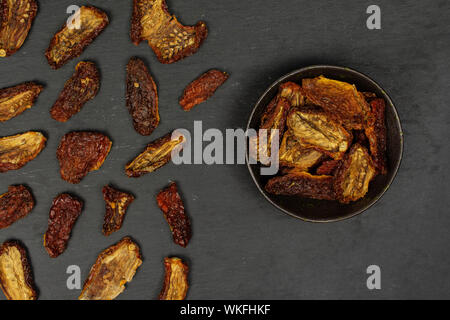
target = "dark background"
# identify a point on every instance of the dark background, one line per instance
(242, 247)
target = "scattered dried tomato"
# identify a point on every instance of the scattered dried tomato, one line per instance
(80, 153)
(169, 201)
(114, 267)
(142, 97)
(176, 284)
(16, 17)
(169, 39)
(70, 41)
(17, 99)
(156, 154)
(16, 151)
(202, 88)
(64, 213)
(14, 205)
(16, 276)
(117, 203)
(79, 89)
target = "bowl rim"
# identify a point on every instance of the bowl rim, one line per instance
(397, 119)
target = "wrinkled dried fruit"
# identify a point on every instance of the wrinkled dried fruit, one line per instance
(169, 39)
(142, 97)
(354, 175)
(376, 133)
(340, 99)
(16, 151)
(16, 276)
(302, 184)
(315, 129)
(114, 267)
(79, 89)
(328, 167)
(70, 41)
(202, 88)
(14, 205)
(64, 213)
(17, 99)
(293, 154)
(293, 92)
(155, 155)
(169, 201)
(16, 17)
(117, 203)
(80, 153)
(175, 280)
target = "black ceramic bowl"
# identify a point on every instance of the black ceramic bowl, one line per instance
(322, 210)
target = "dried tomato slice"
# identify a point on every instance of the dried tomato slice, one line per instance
(64, 213)
(15, 100)
(176, 284)
(156, 154)
(376, 133)
(16, 151)
(16, 17)
(114, 267)
(142, 97)
(16, 276)
(70, 42)
(169, 39)
(80, 153)
(169, 201)
(202, 88)
(14, 205)
(117, 203)
(79, 89)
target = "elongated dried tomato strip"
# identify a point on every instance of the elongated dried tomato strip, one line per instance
(142, 97)
(169, 201)
(202, 88)
(70, 41)
(117, 203)
(79, 89)
(376, 133)
(64, 213)
(176, 284)
(16, 151)
(16, 17)
(169, 39)
(16, 276)
(14, 205)
(328, 167)
(15, 100)
(80, 153)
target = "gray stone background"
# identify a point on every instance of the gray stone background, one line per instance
(243, 248)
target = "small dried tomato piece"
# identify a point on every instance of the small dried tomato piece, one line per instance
(117, 203)
(142, 97)
(169, 39)
(64, 213)
(16, 17)
(16, 276)
(376, 133)
(79, 89)
(169, 201)
(202, 88)
(15, 100)
(328, 167)
(70, 41)
(80, 153)
(156, 154)
(176, 284)
(16, 151)
(114, 267)
(14, 205)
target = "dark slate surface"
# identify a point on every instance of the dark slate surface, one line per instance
(242, 247)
